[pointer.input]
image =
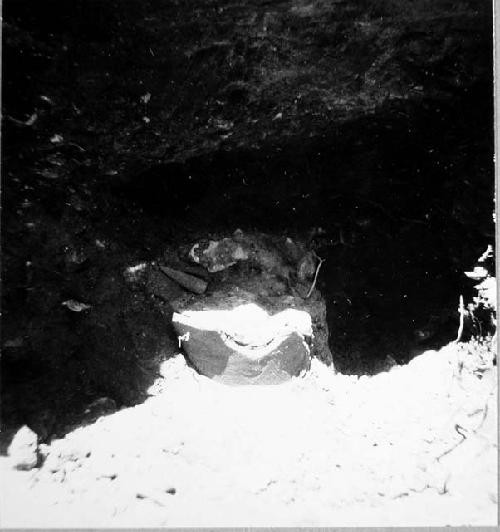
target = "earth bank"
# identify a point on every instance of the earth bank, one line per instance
(133, 128)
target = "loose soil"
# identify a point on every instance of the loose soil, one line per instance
(415, 446)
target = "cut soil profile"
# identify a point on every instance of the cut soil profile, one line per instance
(396, 234)
(132, 130)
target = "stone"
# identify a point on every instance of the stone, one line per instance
(189, 282)
(23, 450)
(75, 306)
(218, 255)
(159, 285)
(245, 345)
(261, 251)
(136, 273)
(292, 250)
(306, 267)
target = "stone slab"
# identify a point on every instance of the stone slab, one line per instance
(245, 345)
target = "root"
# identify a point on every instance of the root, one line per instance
(315, 276)
(461, 310)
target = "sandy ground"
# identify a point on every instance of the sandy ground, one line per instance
(414, 446)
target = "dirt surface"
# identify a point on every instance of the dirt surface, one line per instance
(240, 75)
(415, 446)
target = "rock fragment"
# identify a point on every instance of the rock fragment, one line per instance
(23, 450)
(218, 255)
(190, 282)
(160, 285)
(306, 267)
(245, 345)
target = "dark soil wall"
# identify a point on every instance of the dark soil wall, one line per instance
(370, 120)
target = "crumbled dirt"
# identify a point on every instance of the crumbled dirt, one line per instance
(322, 450)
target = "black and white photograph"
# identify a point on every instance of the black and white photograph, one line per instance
(248, 273)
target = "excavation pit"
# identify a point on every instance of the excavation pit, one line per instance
(370, 141)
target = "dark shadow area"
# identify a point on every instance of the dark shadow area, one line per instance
(131, 128)
(388, 201)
